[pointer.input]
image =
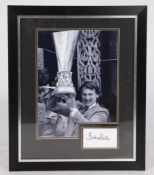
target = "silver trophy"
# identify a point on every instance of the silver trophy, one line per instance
(65, 44)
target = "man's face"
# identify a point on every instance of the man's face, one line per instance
(88, 96)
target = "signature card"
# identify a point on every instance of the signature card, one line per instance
(101, 138)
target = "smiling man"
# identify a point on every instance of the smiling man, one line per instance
(87, 111)
(91, 110)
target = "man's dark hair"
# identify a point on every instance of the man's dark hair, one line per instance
(89, 85)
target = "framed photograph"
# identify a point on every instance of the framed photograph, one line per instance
(77, 83)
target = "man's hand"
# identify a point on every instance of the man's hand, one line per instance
(71, 103)
(54, 99)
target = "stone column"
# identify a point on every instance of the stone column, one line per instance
(89, 57)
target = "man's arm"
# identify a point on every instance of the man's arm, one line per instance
(77, 117)
(96, 117)
(60, 126)
(70, 127)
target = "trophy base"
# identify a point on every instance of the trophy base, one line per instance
(64, 90)
(64, 84)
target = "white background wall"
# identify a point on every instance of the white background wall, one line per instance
(4, 80)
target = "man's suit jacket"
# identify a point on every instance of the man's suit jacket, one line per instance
(96, 114)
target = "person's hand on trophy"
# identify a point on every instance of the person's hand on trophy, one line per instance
(60, 103)
(73, 104)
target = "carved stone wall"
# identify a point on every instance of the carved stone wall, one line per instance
(89, 57)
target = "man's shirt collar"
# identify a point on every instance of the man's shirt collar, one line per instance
(94, 104)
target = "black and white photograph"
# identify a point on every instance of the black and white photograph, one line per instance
(77, 80)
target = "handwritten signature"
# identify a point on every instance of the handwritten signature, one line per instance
(99, 137)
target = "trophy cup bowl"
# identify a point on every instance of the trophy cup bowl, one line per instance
(65, 44)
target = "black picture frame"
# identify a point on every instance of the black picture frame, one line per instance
(140, 13)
